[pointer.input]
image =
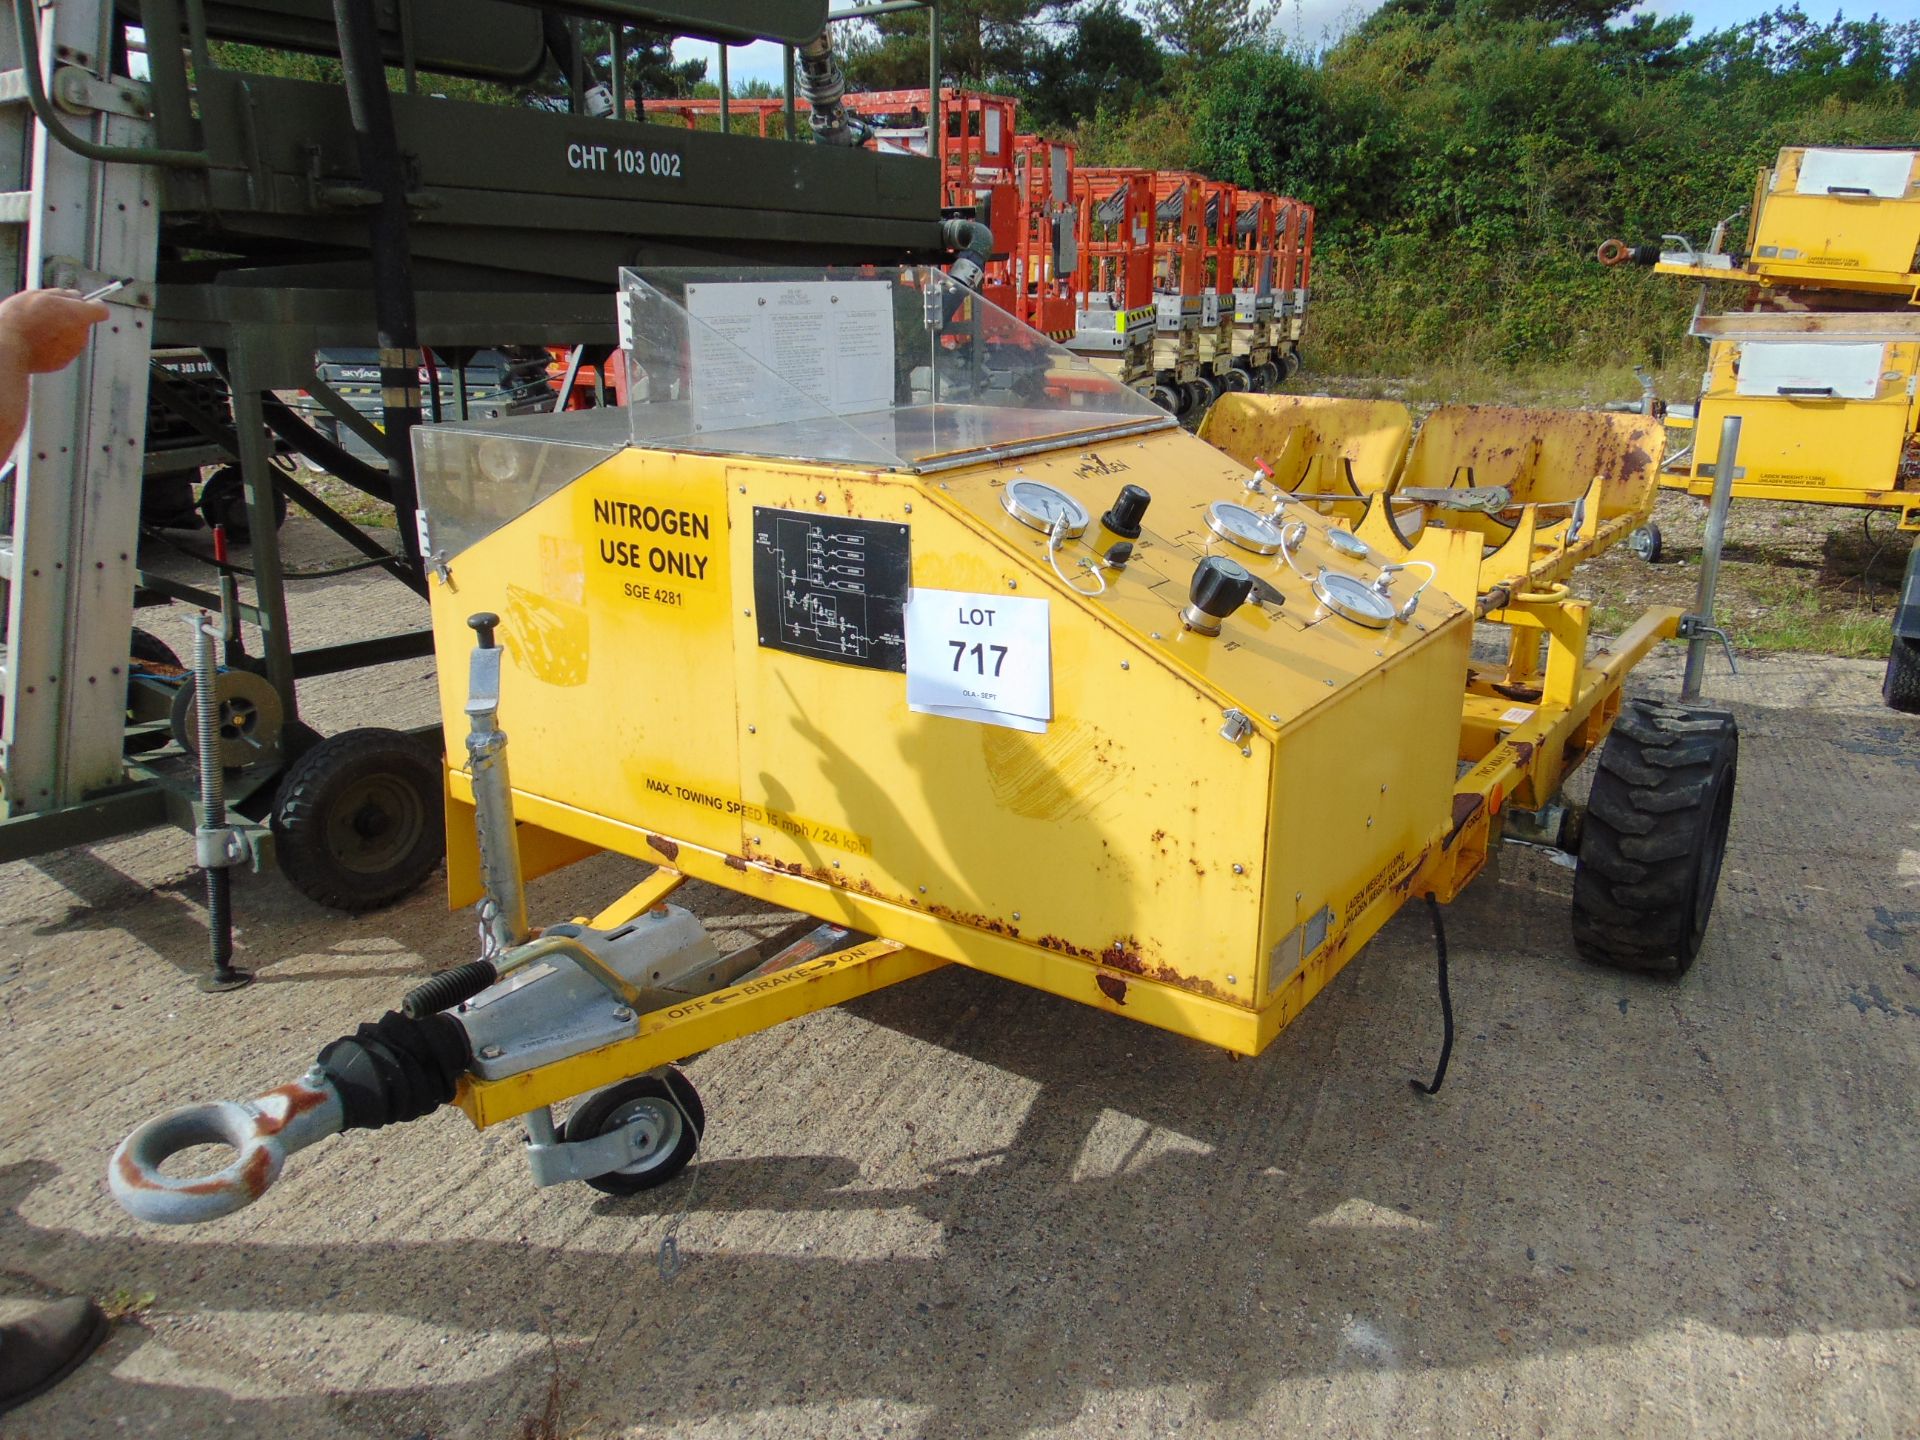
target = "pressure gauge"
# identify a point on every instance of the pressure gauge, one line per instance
(1354, 599)
(1043, 507)
(1248, 529)
(1346, 542)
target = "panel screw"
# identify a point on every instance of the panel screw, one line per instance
(1016, 914)
(923, 889)
(820, 498)
(1233, 979)
(1273, 719)
(1125, 665)
(1239, 869)
(752, 730)
(836, 864)
(743, 489)
(908, 509)
(1369, 822)
(490, 1052)
(1329, 684)
(1013, 584)
(747, 613)
(1247, 751)
(622, 1013)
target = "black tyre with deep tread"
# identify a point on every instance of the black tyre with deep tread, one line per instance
(1654, 835)
(1901, 688)
(358, 820)
(223, 502)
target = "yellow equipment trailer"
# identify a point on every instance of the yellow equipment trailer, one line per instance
(878, 606)
(1822, 365)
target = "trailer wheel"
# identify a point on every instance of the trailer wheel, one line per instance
(1901, 688)
(669, 1109)
(1166, 398)
(1267, 378)
(1236, 381)
(357, 820)
(1645, 542)
(1654, 836)
(223, 501)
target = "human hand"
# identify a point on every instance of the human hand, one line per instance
(46, 329)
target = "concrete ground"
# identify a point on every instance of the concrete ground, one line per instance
(964, 1209)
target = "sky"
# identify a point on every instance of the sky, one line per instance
(1315, 20)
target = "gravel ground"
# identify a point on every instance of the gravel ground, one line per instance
(964, 1209)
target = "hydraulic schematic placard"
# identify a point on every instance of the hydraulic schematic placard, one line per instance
(834, 588)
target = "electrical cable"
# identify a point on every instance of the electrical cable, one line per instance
(1056, 537)
(228, 568)
(1446, 1005)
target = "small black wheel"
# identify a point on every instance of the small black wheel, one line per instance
(1901, 688)
(151, 652)
(166, 503)
(223, 501)
(667, 1107)
(1237, 381)
(1199, 397)
(1654, 836)
(358, 820)
(1645, 542)
(1266, 378)
(1165, 397)
(148, 648)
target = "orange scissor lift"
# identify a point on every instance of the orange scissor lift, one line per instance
(1302, 276)
(1179, 263)
(1046, 244)
(1255, 276)
(976, 152)
(1219, 262)
(1183, 287)
(1115, 316)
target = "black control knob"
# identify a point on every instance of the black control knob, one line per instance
(1129, 508)
(1220, 587)
(482, 625)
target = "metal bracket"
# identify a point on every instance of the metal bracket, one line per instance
(558, 1161)
(79, 93)
(63, 272)
(217, 847)
(1695, 625)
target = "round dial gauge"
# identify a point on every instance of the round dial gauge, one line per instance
(1346, 542)
(1355, 599)
(1042, 506)
(1238, 525)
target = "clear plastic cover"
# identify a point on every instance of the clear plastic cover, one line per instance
(900, 369)
(888, 369)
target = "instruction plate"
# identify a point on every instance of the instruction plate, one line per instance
(984, 658)
(830, 341)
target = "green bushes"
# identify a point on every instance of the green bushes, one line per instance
(1466, 156)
